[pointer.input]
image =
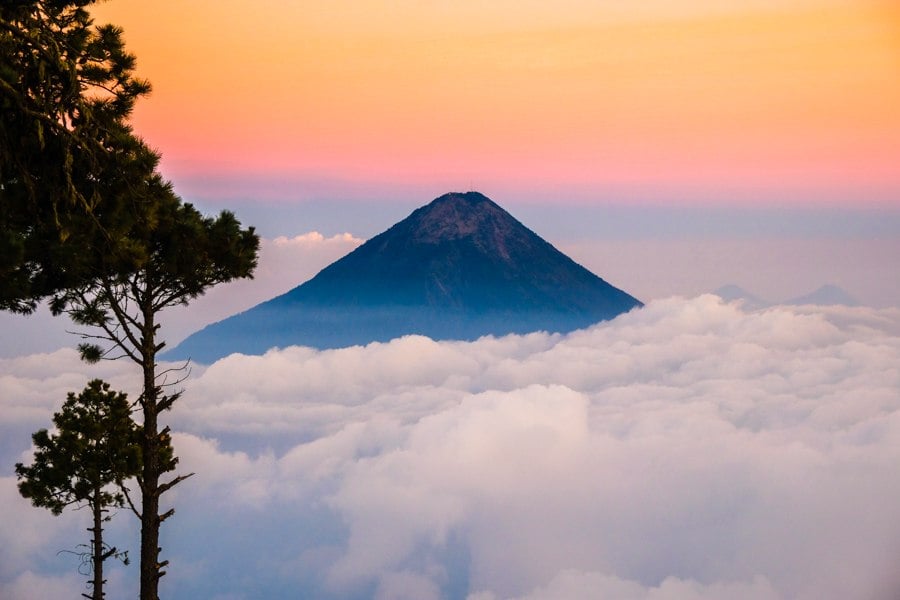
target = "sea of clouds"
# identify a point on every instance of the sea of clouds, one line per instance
(686, 450)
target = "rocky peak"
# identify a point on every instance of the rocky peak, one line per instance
(456, 215)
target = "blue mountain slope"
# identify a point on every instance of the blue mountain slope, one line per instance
(459, 268)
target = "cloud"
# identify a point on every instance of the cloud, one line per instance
(687, 450)
(22, 531)
(29, 586)
(576, 585)
(314, 238)
(33, 387)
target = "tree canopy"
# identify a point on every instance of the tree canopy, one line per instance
(67, 89)
(96, 443)
(166, 253)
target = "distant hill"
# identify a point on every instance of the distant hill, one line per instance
(827, 295)
(733, 293)
(459, 268)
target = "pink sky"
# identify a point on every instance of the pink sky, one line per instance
(797, 100)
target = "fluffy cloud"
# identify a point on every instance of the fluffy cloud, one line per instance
(575, 585)
(687, 450)
(28, 586)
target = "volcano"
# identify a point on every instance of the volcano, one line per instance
(458, 268)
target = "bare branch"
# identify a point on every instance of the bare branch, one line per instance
(115, 338)
(163, 487)
(185, 368)
(119, 303)
(130, 502)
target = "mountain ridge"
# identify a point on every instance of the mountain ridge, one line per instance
(825, 295)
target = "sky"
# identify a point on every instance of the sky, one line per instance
(670, 147)
(690, 450)
(751, 101)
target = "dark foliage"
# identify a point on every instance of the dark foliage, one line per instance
(96, 448)
(86, 219)
(67, 89)
(164, 253)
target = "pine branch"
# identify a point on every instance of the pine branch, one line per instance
(123, 321)
(164, 487)
(130, 502)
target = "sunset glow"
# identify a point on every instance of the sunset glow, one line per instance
(799, 99)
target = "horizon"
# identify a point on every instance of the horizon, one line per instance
(652, 253)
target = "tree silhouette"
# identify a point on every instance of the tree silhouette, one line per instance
(94, 451)
(67, 90)
(86, 219)
(173, 254)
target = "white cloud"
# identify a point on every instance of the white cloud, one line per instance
(32, 387)
(688, 450)
(406, 586)
(314, 238)
(575, 585)
(23, 530)
(31, 586)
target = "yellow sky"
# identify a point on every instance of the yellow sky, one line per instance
(796, 96)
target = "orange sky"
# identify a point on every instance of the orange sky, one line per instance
(792, 99)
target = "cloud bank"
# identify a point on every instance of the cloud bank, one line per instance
(687, 450)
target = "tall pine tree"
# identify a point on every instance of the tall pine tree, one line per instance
(169, 254)
(86, 219)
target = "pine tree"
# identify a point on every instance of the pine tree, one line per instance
(94, 451)
(172, 255)
(86, 219)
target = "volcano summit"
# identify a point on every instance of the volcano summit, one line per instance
(459, 268)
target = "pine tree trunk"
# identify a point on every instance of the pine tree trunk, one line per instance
(150, 521)
(150, 507)
(97, 545)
